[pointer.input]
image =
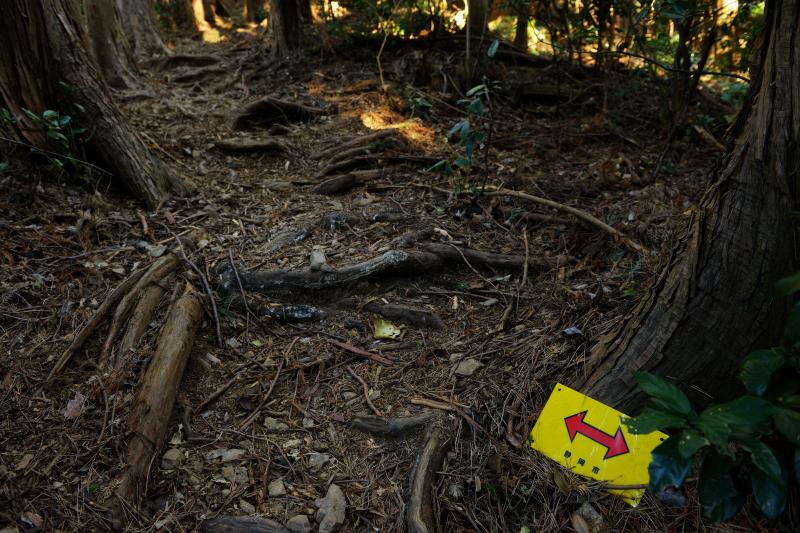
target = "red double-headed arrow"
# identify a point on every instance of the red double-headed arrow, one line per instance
(615, 443)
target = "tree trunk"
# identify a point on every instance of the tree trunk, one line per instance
(304, 10)
(109, 45)
(478, 17)
(521, 31)
(251, 8)
(184, 15)
(139, 19)
(285, 26)
(44, 65)
(714, 300)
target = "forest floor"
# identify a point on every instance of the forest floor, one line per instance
(506, 335)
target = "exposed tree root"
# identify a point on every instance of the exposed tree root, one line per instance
(268, 111)
(514, 215)
(197, 74)
(241, 524)
(83, 335)
(375, 160)
(149, 419)
(357, 142)
(246, 145)
(140, 317)
(395, 262)
(421, 318)
(344, 182)
(390, 427)
(179, 60)
(420, 515)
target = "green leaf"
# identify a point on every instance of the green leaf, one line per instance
(769, 493)
(475, 107)
(457, 127)
(792, 330)
(758, 367)
(763, 458)
(650, 420)
(50, 115)
(667, 467)
(788, 285)
(475, 90)
(749, 413)
(442, 166)
(493, 48)
(664, 395)
(714, 428)
(788, 423)
(462, 162)
(690, 441)
(716, 491)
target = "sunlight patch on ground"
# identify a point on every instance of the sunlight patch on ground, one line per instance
(412, 129)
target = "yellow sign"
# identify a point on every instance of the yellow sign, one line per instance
(590, 439)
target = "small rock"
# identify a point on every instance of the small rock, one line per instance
(235, 474)
(276, 488)
(233, 342)
(308, 423)
(593, 519)
(172, 459)
(331, 510)
(225, 455)
(572, 332)
(273, 424)
(246, 507)
(317, 460)
(292, 443)
(467, 367)
(672, 497)
(349, 395)
(318, 261)
(298, 524)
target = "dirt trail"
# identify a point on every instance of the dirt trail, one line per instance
(272, 400)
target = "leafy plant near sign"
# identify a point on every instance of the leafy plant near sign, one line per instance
(62, 135)
(748, 445)
(475, 130)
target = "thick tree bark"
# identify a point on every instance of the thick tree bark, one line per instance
(714, 301)
(109, 45)
(44, 65)
(139, 20)
(304, 10)
(285, 26)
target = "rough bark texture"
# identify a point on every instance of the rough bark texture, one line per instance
(139, 19)
(714, 301)
(109, 46)
(155, 398)
(304, 10)
(478, 11)
(285, 26)
(251, 9)
(521, 30)
(42, 49)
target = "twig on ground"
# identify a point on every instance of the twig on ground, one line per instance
(366, 391)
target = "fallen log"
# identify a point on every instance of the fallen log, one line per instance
(155, 398)
(420, 517)
(268, 111)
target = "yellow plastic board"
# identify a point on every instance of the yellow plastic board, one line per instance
(590, 439)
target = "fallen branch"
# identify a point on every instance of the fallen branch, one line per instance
(582, 215)
(155, 398)
(421, 318)
(363, 353)
(140, 318)
(420, 517)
